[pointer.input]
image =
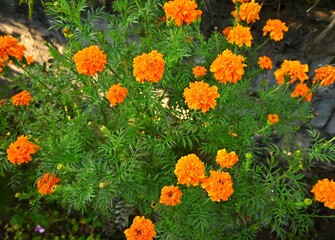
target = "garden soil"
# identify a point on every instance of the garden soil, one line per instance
(311, 39)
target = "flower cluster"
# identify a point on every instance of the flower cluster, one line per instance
(218, 185)
(325, 75)
(226, 160)
(190, 170)
(10, 47)
(199, 95)
(182, 11)
(228, 67)
(248, 12)
(199, 71)
(22, 99)
(170, 195)
(141, 229)
(272, 119)
(275, 28)
(240, 36)
(324, 191)
(20, 151)
(90, 60)
(116, 94)
(149, 67)
(265, 62)
(47, 183)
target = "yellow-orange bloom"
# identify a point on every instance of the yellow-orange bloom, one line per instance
(302, 90)
(10, 47)
(276, 28)
(116, 94)
(190, 170)
(199, 71)
(20, 151)
(226, 160)
(182, 11)
(325, 74)
(228, 67)
(29, 59)
(248, 12)
(240, 36)
(47, 183)
(324, 191)
(22, 99)
(199, 95)
(273, 118)
(170, 195)
(265, 62)
(149, 67)
(218, 185)
(140, 229)
(293, 70)
(90, 60)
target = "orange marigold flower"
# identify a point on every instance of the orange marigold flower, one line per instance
(47, 183)
(116, 94)
(190, 170)
(199, 71)
(293, 70)
(10, 47)
(218, 185)
(276, 28)
(22, 99)
(325, 74)
(248, 12)
(302, 90)
(272, 119)
(226, 30)
(199, 95)
(90, 60)
(149, 67)
(226, 160)
(140, 229)
(20, 151)
(240, 36)
(2, 101)
(182, 11)
(170, 195)
(324, 191)
(228, 67)
(265, 62)
(29, 59)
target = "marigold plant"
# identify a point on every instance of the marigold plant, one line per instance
(324, 191)
(275, 28)
(225, 159)
(199, 95)
(21, 150)
(325, 75)
(116, 94)
(293, 70)
(265, 62)
(190, 170)
(182, 11)
(90, 60)
(22, 99)
(140, 229)
(170, 195)
(149, 66)
(199, 71)
(240, 36)
(228, 67)
(46, 184)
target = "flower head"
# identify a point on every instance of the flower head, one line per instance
(276, 28)
(46, 184)
(170, 195)
(10, 47)
(324, 191)
(226, 160)
(273, 118)
(20, 151)
(240, 36)
(199, 95)
(149, 67)
(248, 12)
(141, 229)
(302, 90)
(218, 186)
(116, 94)
(190, 170)
(29, 59)
(228, 67)
(182, 11)
(325, 74)
(22, 99)
(293, 70)
(90, 60)
(199, 71)
(265, 62)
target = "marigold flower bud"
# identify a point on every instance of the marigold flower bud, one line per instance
(60, 166)
(102, 185)
(308, 201)
(17, 195)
